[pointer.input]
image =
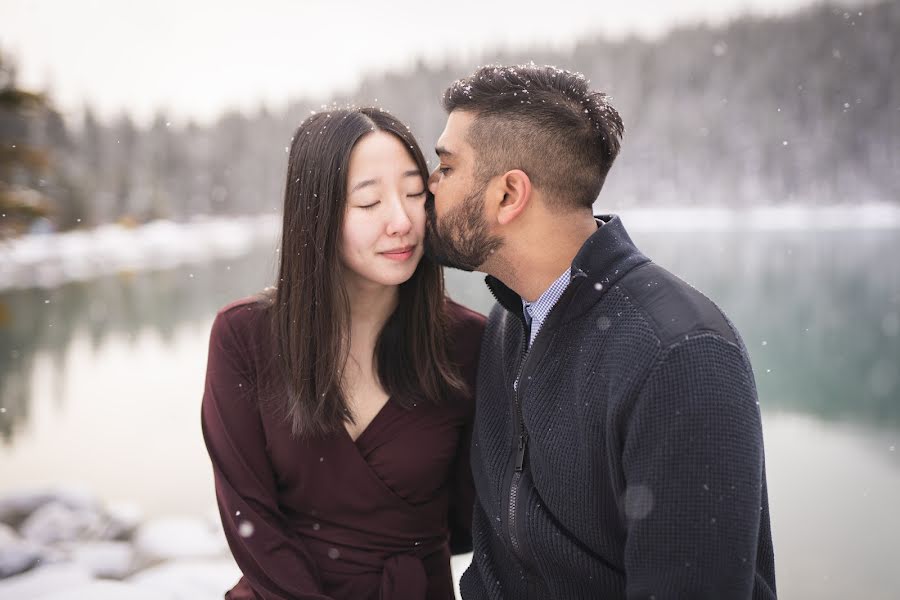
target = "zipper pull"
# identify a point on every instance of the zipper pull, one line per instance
(520, 453)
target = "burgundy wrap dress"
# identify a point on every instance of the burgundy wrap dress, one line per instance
(330, 517)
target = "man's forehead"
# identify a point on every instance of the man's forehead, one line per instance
(453, 140)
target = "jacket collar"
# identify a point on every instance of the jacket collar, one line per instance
(601, 261)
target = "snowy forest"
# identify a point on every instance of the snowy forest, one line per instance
(803, 109)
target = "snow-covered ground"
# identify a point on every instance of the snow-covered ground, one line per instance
(50, 260)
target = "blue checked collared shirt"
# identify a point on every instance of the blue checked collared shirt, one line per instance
(536, 312)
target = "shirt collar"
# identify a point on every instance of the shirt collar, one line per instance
(537, 311)
(603, 259)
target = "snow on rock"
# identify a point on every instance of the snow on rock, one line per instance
(458, 565)
(16, 507)
(190, 579)
(110, 560)
(44, 580)
(16, 555)
(56, 522)
(104, 590)
(124, 518)
(177, 538)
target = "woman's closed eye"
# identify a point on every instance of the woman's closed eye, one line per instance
(369, 206)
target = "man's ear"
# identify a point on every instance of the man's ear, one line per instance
(515, 186)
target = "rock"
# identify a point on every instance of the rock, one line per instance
(177, 538)
(191, 579)
(16, 507)
(56, 522)
(44, 580)
(16, 554)
(104, 590)
(18, 558)
(124, 519)
(109, 560)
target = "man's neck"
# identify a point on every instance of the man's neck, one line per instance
(538, 255)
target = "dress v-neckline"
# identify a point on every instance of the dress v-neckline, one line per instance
(368, 427)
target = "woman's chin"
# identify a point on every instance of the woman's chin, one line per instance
(399, 276)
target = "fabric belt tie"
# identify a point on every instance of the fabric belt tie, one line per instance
(403, 578)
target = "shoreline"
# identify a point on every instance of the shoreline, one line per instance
(49, 260)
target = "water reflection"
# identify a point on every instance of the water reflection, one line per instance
(818, 311)
(45, 322)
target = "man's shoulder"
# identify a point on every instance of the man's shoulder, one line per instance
(673, 308)
(500, 321)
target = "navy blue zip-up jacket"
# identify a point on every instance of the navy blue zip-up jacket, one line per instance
(629, 463)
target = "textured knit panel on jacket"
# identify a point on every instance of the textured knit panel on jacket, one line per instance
(644, 475)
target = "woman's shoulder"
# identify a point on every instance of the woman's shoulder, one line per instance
(243, 320)
(463, 317)
(245, 308)
(466, 327)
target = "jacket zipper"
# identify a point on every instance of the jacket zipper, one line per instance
(522, 439)
(522, 446)
(520, 434)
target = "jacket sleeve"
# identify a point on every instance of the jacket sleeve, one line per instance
(273, 560)
(693, 467)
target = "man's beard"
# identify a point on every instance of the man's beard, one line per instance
(461, 240)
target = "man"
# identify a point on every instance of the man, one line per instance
(617, 450)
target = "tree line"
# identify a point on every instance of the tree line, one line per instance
(798, 109)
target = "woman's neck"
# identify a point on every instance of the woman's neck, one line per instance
(371, 305)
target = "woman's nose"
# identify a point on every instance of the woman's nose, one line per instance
(399, 222)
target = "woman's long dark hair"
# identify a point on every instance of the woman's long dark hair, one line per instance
(309, 308)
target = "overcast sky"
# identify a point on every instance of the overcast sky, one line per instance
(198, 58)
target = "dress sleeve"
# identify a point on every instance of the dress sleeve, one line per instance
(466, 341)
(462, 496)
(693, 466)
(274, 560)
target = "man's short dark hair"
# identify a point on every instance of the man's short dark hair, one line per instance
(545, 121)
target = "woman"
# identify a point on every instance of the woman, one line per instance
(338, 406)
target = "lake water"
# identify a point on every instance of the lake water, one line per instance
(100, 386)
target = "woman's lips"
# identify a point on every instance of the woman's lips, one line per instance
(399, 254)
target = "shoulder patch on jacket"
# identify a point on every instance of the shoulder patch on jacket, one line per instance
(675, 308)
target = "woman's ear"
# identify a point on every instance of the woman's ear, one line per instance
(515, 186)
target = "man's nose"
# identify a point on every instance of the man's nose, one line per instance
(432, 181)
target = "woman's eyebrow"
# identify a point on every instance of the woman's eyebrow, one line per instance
(367, 182)
(364, 183)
